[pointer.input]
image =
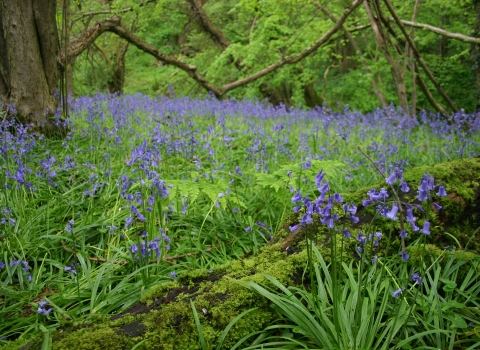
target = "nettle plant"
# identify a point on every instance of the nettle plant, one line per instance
(378, 300)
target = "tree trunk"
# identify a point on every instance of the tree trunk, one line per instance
(475, 53)
(116, 80)
(29, 73)
(397, 75)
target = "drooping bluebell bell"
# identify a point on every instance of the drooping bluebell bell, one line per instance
(69, 226)
(415, 277)
(397, 293)
(392, 214)
(436, 206)
(441, 191)
(404, 255)
(426, 228)
(71, 269)
(297, 197)
(44, 308)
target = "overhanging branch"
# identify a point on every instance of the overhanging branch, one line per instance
(113, 25)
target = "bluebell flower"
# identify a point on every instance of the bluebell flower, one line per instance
(391, 179)
(403, 234)
(2, 265)
(43, 308)
(71, 269)
(415, 277)
(392, 214)
(338, 198)
(374, 259)
(404, 255)
(436, 206)
(173, 274)
(346, 233)
(396, 293)
(261, 224)
(426, 228)
(297, 197)
(441, 191)
(410, 218)
(319, 178)
(248, 229)
(404, 187)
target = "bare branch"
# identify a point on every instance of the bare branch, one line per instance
(78, 45)
(202, 18)
(416, 54)
(300, 56)
(440, 31)
(113, 25)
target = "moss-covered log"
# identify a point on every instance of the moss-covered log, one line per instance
(163, 319)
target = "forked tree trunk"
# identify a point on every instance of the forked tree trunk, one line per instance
(28, 66)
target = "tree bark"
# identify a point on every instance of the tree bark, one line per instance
(475, 52)
(207, 25)
(28, 59)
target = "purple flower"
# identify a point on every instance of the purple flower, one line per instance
(173, 274)
(391, 179)
(404, 255)
(392, 214)
(71, 269)
(441, 191)
(261, 224)
(297, 197)
(346, 233)
(134, 249)
(404, 187)
(319, 178)
(410, 218)
(248, 229)
(2, 265)
(294, 227)
(422, 195)
(396, 293)
(415, 277)
(43, 308)
(337, 198)
(426, 228)
(403, 234)
(437, 206)
(128, 221)
(374, 259)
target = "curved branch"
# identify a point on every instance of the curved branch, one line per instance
(84, 40)
(112, 24)
(152, 50)
(291, 60)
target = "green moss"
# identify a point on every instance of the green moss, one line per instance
(98, 338)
